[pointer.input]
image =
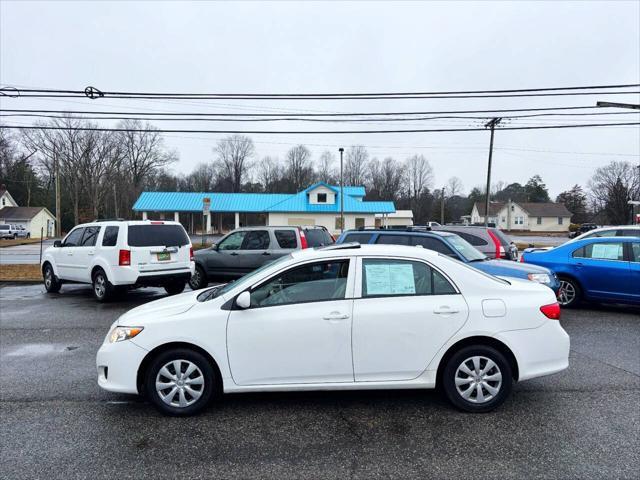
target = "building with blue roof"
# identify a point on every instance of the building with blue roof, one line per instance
(318, 204)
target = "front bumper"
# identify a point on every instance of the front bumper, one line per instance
(118, 365)
(539, 351)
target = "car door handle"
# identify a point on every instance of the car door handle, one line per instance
(266, 253)
(336, 316)
(445, 311)
(233, 254)
(91, 253)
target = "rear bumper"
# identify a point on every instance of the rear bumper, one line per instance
(159, 280)
(120, 275)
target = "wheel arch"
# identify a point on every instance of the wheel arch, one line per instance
(478, 340)
(146, 361)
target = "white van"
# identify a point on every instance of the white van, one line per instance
(117, 255)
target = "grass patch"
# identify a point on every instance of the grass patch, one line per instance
(5, 242)
(20, 273)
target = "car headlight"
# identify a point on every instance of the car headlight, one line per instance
(539, 277)
(119, 334)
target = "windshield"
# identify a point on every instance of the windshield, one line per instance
(468, 251)
(241, 282)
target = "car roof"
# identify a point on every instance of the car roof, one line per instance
(587, 241)
(126, 222)
(356, 249)
(403, 232)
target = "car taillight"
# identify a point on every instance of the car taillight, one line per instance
(303, 240)
(124, 258)
(191, 254)
(551, 311)
(522, 258)
(496, 243)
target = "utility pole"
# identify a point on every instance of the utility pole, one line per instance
(341, 150)
(442, 208)
(492, 125)
(56, 169)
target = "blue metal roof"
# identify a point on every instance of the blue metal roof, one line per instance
(257, 202)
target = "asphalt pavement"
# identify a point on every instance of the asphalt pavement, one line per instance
(29, 253)
(57, 423)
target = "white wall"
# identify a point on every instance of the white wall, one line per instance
(549, 224)
(313, 195)
(6, 201)
(40, 221)
(326, 220)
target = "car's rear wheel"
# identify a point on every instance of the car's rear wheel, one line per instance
(198, 279)
(570, 294)
(51, 282)
(477, 378)
(180, 382)
(175, 288)
(102, 288)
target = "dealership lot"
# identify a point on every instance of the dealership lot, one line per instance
(582, 423)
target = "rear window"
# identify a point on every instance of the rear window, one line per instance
(474, 240)
(393, 240)
(157, 235)
(5, 227)
(286, 238)
(362, 238)
(318, 237)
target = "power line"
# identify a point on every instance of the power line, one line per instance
(316, 132)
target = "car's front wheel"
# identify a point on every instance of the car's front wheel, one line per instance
(180, 382)
(198, 279)
(51, 282)
(477, 379)
(570, 293)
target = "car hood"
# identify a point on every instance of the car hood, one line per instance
(509, 268)
(163, 308)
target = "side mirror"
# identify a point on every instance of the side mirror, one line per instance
(214, 246)
(57, 244)
(243, 300)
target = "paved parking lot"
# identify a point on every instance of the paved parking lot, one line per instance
(57, 423)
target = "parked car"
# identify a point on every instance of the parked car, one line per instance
(337, 318)
(584, 228)
(599, 269)
(613, 231)
(119, 255)
(6, 231)
(454, 246)
(490, 241)
(245, 249)
(22, 232)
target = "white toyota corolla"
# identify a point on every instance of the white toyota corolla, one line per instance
(338, 318)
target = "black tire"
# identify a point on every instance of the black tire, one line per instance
(198, 279)
(473, 403)
(173, 395)
(570, 293)
(51, 283)
(102, 287)
(174, 288)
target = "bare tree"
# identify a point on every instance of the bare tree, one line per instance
(355, 165)
(611, 188)
(234, 154)
(270, 174)
(385, 179)
(419, 175)
(299, 169)
(201, 179)
(454, 186)
(325, 171)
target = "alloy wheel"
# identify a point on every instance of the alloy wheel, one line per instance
(478, 379)
(180, 383)
(100, 285)
(48, 277)
(567, 293)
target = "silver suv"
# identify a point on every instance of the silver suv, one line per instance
(246, 249)
(490, 241)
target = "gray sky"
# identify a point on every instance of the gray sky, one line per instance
(295, 47)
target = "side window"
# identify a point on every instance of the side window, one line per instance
(110, 238)
(630, 232)
(433, 244)
(361, 238)
(286, 238)
(472, 239)
(90, 236)
(601, 251)
(635, 252)
(314, 282)
(256, 240)
(391, 277)
(73, 239)
(232, 242)
(393, 239)
(605, 233)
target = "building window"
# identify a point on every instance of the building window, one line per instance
(322, 198)
(503, 220)
(338, 224)
(560, 220)
(359, 222)
(539, 222)
(519, 220)
(4, 202)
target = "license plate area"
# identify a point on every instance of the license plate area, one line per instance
(163, 256)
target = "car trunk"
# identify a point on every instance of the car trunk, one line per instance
(159, 247)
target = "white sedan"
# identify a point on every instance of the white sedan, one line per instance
(346, 317)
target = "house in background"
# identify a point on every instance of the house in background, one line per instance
(534, 217)
(34, 219)
(6, 200)
(317, 205)
(401, 218)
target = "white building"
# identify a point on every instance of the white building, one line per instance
(534, 217)
(319, 204)
(401, 218)
(34, 219)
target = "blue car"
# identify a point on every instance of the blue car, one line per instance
(598, 269)
(456, 247)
